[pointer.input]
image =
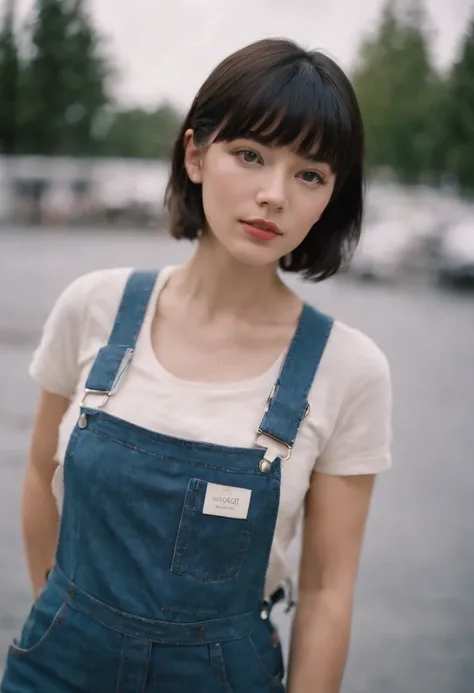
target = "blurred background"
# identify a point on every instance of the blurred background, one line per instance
(91, 94)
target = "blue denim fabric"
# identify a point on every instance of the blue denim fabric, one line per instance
(148, 593)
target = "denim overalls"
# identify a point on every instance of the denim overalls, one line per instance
(164, 543)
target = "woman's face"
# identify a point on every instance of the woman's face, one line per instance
(259, 201)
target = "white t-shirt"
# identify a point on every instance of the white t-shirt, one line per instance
(347, 431)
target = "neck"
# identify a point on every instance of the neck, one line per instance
(222, 284)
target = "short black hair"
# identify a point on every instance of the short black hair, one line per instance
(282, 94)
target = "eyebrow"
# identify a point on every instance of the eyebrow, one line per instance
(261, 139)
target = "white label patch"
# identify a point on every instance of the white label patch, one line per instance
(227, 501)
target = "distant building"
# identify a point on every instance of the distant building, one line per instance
(44, 190)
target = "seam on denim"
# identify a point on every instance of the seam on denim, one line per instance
(141, 619)
(181, 442)
(192, 463)
(23, 652)
(271, 677)
(146, 670)
(222, 673)
(273, 510)
(122, 655)
(246, 535)
(100, 622)
(183, 531)
(152, 639)
(199, 612)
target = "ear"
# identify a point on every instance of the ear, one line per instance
(192, 157)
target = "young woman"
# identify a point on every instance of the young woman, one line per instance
(187, 418)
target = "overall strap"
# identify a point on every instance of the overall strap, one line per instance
(288, 403)
(112, 360)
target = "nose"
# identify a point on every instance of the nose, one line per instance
(273, 191)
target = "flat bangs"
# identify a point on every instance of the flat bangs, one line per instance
(294, 106)
(277, 93)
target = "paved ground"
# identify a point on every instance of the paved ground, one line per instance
(414, 618)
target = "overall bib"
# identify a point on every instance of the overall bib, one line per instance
(164, 543)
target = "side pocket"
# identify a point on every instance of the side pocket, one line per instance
(44, 619)
(267, 653)
(254, 662)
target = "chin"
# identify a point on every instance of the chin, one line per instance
(254, 256)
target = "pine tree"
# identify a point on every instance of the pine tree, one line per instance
(398, 89)
(460, 116)
(9, 79)
(65, 84)
(86, 77)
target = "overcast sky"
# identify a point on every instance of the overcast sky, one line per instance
(166, 48)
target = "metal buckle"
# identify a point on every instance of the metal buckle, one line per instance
(124, 364)
(87, 392)
(276, 440)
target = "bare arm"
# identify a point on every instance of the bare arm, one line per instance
(335, 516)
(39, 513)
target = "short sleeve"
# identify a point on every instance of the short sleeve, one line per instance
(55, 362)
(361, 440)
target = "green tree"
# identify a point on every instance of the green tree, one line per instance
(9, 79)
(44, 96)
(399, 92)
(143, 134)
(459, 121)
(65, 81)
(86, 75)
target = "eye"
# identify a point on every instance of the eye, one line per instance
(312, 177)
(248, 156)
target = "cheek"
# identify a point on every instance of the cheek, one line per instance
(313, 207)
(223, 188)
(307, 212)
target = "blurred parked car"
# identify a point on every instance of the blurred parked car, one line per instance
(384, 250)
(455, 255)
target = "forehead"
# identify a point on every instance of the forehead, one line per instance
(286, 102)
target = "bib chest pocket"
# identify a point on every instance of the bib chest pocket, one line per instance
(209, 548)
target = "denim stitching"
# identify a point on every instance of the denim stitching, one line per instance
(184, 529)
(275, 503)
(240, 555)
(142, 619)
(139, 636)
(76, 440)
(192, 463)
(157, 437)
(147, 666)
(221, 668)
(271, 677)
(122, 656)
(58, 618)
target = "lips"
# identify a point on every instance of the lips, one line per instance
(263, 224)
(259, 233)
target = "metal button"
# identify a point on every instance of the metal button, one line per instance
(264, 614)
(82, 423)
(265, 466)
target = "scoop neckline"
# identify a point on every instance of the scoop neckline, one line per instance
(253, 383)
